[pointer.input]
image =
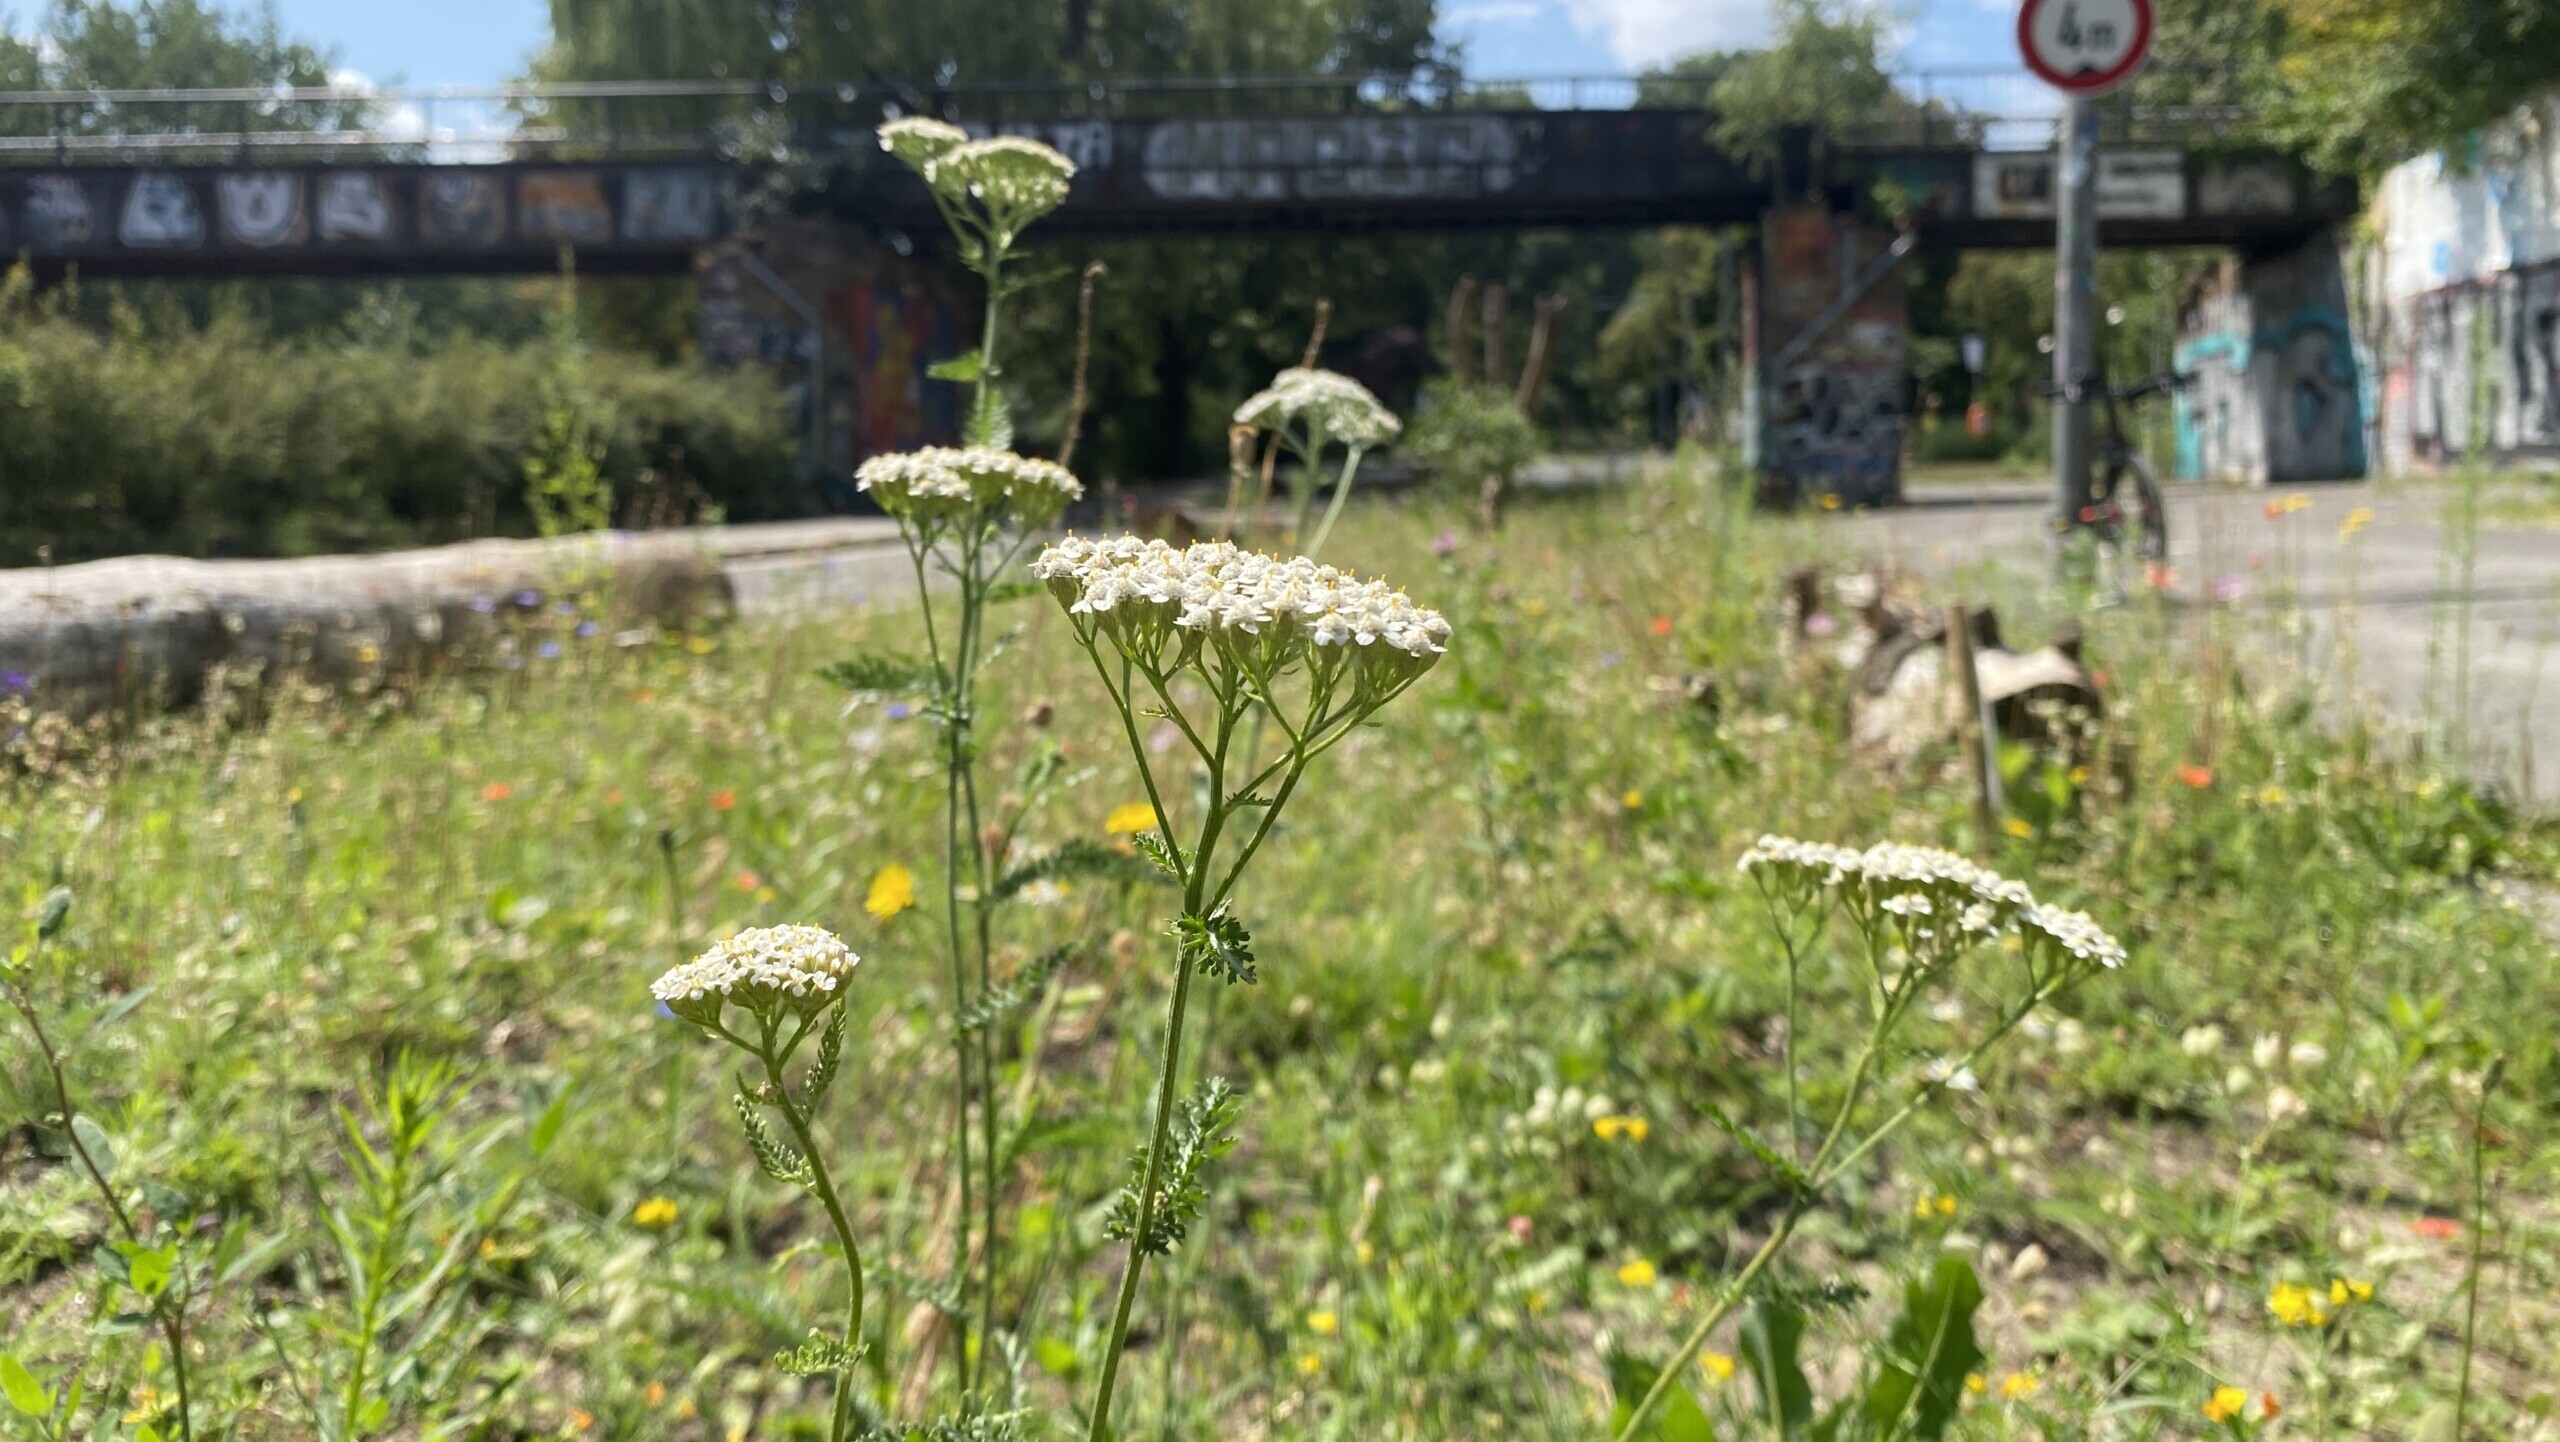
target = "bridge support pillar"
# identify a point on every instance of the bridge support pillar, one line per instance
(1826, 353)
(879, 320)
(2279, 389)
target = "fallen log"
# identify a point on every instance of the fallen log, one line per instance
(149, 629)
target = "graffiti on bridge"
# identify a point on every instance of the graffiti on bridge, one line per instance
(87, 215)
(1365, 157)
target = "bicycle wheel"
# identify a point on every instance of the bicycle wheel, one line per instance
(2150, 513)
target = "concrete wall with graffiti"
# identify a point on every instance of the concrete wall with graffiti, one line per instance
(882, 321)
(2278, 394)
(1835, 412)
(2466, 265)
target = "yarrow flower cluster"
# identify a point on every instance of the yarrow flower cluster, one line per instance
(919, 139)
(1335, 405)
(1017, 180)
(1915, 883)
(766, 969)
(1269, 612)
(939, 482)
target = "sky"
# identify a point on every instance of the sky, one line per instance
(479, 42)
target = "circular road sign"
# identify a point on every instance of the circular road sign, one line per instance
(2087, 47)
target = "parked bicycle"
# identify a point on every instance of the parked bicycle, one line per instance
(2124, 490)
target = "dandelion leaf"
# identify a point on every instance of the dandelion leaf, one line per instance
(1928, 1353)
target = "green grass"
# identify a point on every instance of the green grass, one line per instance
(1513, 898)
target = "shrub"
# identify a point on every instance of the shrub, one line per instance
(222, 440)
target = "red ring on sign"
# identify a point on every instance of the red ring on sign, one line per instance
(2085, 84)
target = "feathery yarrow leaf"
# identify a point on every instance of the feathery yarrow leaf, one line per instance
(819, 1356)
(1204, 1132)
(1082, 856)
(1217, 945)
(1015, 992)
(779, 1159)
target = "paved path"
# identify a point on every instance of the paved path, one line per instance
(2394, 593)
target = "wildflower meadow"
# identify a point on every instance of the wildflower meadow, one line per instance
(1467, 985)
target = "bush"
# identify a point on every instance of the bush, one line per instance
(221, 440)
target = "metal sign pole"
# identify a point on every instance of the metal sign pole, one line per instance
(2075, 307)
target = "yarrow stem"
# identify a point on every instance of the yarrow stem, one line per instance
(954, 507)
(1312, 648)
(1916, 911)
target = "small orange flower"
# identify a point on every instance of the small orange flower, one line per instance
(2438, 1228)
(746, 881)
(655, 1392)
(496, 791)
(723, 800)
(1662, 625)
(2197, 778)
(2268, 1410)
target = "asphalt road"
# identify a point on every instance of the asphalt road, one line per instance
(2379, 618)
(2392, 595)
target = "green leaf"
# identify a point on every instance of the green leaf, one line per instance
(1772, 1330)
(546, 1128)
(22, 1389)
(93, 1140)
(779, 1159)
(968, 367)
(1203, 1133)
(1217, 945)
(1929, 1351)
(1770, 1157)
(1015, 993)
(148, 1269)
(990, 421)
(1168, 857)
(822, 1072)
(1083, 856)
(57, 907)
(883, 673)
(1678, 1419)
(819, 1356)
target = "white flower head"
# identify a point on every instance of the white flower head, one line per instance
(1164, 605)
(939, 482)
(766, 969)
(919, 139)
(1015, 180)
(1334, 405)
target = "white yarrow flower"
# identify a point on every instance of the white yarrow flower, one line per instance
(919, 139)
(1334, 404)
(765, 969)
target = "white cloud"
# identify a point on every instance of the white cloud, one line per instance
(1641, 33)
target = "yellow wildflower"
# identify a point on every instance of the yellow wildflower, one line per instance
(1976, 1383)
(2079, 775)
(2017, 1385)
(2296, 502)
(1927, 1206)
(654, 1213)
(1129, 818)
(1831, 500)
(2225, 1404)
(1610, 1129)
(2018, 827)
(1638, 1273)
(2357, 520)
(893, 890)
(1633, 799)
(1310, 1364)
(2273, 795)
(2343, 1290)
(1717, 1366)
(1323, 1324)
(2294, 1306)
(702, 645)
